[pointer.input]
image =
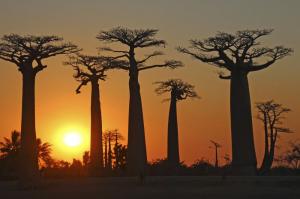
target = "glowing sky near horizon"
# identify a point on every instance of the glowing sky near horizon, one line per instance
(59, 110)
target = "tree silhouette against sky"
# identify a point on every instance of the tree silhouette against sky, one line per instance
(216, 146)
(271, 114)
(109, 138)
(179, 91)
(133, 40)
(240, 54)
(10, 150)
(27, 53)
(91, 69)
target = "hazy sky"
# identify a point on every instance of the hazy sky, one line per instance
(59, 110)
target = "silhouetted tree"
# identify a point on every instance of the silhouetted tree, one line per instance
(238, 53)
(44, 153)
(133, 40)
(109, 136)
(121, 156)
(271, 114)
(227, 159)
(179, 91)
(91, 69)
(10, 149)
(292, 157)
(11, 146)
(27, 53)
(62, 164)
(117, 136)
(202, 167)
(86, 159)
(216, 146)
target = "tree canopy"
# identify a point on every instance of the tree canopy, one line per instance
(239, 51)
(22, 50)
(180, 89)
(137, 38)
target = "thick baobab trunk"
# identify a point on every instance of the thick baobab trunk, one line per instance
(137, 156)
(173, 146)
(96, 161)
(28, 153)
(243, 151)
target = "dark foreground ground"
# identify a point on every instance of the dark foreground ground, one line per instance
(160, 187)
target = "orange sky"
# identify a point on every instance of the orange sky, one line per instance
(59, 110)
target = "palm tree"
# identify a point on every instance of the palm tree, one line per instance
(44, 153)
(11, 146)
(10, 149)
(179, 91)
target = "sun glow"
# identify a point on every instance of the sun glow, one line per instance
(72, 139)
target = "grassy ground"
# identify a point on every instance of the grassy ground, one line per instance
(160, 187)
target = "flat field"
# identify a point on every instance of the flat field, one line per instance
(159, 188)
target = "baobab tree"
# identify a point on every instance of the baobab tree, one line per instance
(271, 114)
(133, 40)
(216, 146)
(91, 69)
(117, 138)
(179, 91)
(240, 54)
(27, 53)
(108, 138)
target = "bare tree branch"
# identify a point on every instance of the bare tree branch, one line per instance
(170, 64)
(89, 68)
(154, 54)
(236, 52)
(26, 49)
(277, 53)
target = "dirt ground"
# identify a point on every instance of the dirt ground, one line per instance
(159, 187)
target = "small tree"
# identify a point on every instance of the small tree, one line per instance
(10, 150)
(292, 157)
(179, 91)
(271, 114)
(133, 40)
(216, 146)
(109, 138)
(240, 54)
(91, 69)
(44, 154)
(27, 53)
(121, 156)
(10, 147)
(117, 154)
(86, 159)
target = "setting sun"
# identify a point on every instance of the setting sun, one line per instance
(72, 139)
